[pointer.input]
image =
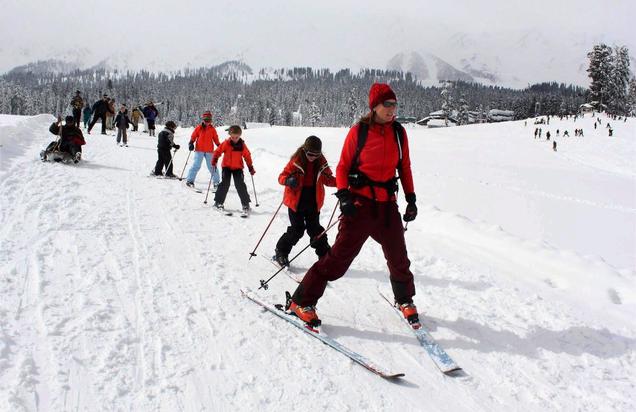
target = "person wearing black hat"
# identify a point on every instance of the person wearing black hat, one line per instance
(77, 103)
(165, 142)
(304, 177)
(100, 108)
(70, 139)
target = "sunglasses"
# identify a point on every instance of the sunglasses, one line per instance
(387, 104)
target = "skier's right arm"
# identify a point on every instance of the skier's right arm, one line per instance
(55, 128)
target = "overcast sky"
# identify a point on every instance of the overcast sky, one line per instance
(266, 32)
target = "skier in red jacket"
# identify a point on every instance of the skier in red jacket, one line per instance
(234, 151)
(304, 177)
(202, 142)
(367, 186)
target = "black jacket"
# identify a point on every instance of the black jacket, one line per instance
(122, 121)
(165, 139)
(101, 107)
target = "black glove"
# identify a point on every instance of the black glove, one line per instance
(251, 169)
(176, 146)
(411, 210)
(191, 146)
(291, 181)
(346, 202)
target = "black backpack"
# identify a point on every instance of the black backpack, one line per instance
(358, 179)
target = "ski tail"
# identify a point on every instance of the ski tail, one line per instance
(278, 311)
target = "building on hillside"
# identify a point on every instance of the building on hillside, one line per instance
(406, 119)
(255, 125)
(586, 108)
(496, 115)
(433, 120)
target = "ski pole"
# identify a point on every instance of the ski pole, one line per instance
(205, 202)
(254, 187)
(171, 159)
(184, 166)
(265, 282)
(252, 254)
(334, 212)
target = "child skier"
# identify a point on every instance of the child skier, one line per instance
(165, 142)
(122, 122)
(234, 150)
(304, 177)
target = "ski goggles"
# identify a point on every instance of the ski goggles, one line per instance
(312, 154)
(388, 104)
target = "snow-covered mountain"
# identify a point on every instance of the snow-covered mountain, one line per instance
(430, 69)
(507, 58)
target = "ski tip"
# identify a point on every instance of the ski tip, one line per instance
(455, 372)
(393, 376)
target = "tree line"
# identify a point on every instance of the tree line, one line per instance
(297, 96)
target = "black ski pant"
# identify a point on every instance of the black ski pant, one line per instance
(77, 114)
(97, 117)
(239, 184)
(298, 222)
(165, 159)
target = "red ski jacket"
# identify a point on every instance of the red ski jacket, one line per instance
(233, 154)
(205, 137)
(378, 160)
(323, 177)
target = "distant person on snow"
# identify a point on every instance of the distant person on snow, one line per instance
(554, 145)
(151, 113)
(122, 122)
(304, 177)
(110, 115)
(135, 116)
(234, 151)
(87, 115)
(547, 135)
(100, 108)
(367, 191)
(566, 134)
(203, 141)
(165, 142)
(77, 103)
(70, 141)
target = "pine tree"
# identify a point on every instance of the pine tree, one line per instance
(352, 105)
(314, 114)
(600, 71)
(631, 96)
(619, 81)
(463, 110)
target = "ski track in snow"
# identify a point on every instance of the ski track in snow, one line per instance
(121, 292)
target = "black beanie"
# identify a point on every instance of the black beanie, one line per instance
(313, 144)
(69, 119)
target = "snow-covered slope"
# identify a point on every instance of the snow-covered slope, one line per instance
(121, 292)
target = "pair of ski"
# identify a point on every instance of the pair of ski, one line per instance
(439, 356)
(243, 213)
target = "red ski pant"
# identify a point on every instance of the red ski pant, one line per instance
(379, 220)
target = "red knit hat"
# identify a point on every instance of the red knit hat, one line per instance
(207, 115)
(378, 93)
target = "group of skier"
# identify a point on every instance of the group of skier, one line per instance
(375, 149)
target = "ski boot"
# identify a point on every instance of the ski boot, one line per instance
(307, 313)
(281, 259)
(409, 311)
